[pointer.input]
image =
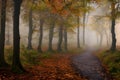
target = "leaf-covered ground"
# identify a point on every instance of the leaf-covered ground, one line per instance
(56, 67)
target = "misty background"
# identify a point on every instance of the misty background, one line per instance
(95, 26)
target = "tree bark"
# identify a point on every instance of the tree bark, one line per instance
(51, 33)
(59, 48)
(16, 64)
(65, 39)
(113, 46)
(2, 34)
(41, 35)
(29, 47)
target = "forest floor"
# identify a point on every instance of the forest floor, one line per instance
(89, 66)
(56, 67)
(111, 61)
(72, 65)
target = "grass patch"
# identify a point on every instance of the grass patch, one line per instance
(112, 61)
(45, 55)
(75, 51)
(32, 57)
(9, 55)
(28, 57)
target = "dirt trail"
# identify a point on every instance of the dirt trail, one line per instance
(88, 65)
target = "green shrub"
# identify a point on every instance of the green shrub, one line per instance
(30, 57)
(9, 55)
(45, 55)
(112, 60)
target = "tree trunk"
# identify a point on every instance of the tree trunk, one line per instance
(41, 35)
(84, 25)
(51, 33)
(84, 22)
(65, 39)
(107, 38)
(2, 34)
(29, 47)
(16, 64)
(78, 33)
(101, 39)
(113, 46)
(97, 39)
(59, 48)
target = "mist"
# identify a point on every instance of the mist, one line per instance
(92, 38)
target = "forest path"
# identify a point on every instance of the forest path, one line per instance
(89, 66)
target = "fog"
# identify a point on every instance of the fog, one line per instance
(91, 35)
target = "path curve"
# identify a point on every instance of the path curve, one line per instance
(89, 66)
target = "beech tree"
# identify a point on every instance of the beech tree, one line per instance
(51, 32)
(29, 46)
(78, 32)
(66, 39)
(40, 35)
(2, 33)
(113, 23)
(16, 63)
(60, 40)
(115, 5)
(42, 11)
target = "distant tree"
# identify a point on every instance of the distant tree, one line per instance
(65, 38)
(30, 33)
(41, 35)
(115, 5)
(16, 63)
(42, 11)
(113, 23)
(51, 33)
(60, 40)
(98, 21)
(78, 32)
(86, 9)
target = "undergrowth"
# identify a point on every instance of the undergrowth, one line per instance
(33, 57)
(28, 57)
(112, 61)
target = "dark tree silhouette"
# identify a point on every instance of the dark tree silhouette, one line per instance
(30, 30)
(16, 64)
(65, 39)
(59, 48)
(41, 35)
(113, 22)
(2, 33)
(51, 33)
